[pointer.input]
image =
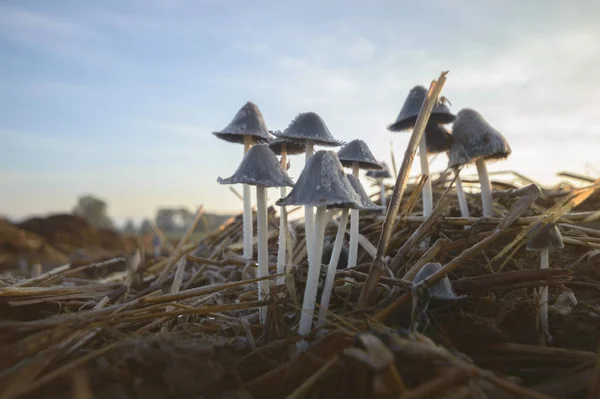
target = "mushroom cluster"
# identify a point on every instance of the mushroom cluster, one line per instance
(324, 185)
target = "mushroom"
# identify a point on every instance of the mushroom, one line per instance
(440, 140)
(366, 205)
(406, 120)
(441, 290)
(475, 140)
(260, 168)
(247, 127)
(543, 240)
(379, 176)
(284, 147)
(356, 155)
(310, 129)
(323, 184)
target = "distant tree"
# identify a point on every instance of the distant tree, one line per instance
(145, 227)
(129, 227)
(94, 210)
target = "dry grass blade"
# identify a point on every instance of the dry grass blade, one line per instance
(378, 263)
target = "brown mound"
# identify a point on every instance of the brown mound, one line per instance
(17, 244)
(63, 231)
(111, 240)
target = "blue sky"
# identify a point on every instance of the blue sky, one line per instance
(118, 98)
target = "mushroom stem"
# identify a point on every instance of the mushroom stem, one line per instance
(263, 249)
(353, 250)
(282, 249)
(427, 191)
(543, 298)
(247, 216)
(382, 195)
(460, 194)
(312, 280)
(486, 188)
(309, 212)
(332, 267)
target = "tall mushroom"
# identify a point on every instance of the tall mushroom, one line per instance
(260, 168)
(310, 129)
(365, 205)
(474, 140)
(323, 184)
(406, 120)
(380, 176)
(284, 147)
(247, 127)
(544, 240)
(356, 155)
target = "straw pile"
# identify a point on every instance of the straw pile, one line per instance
(187, 326)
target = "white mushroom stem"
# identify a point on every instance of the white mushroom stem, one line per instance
(247, 216)
(486, 188)
(427, 191)
(332, 267)
(312, 280)
(309, 212)
(263, 249)
(353, 250)
(382, 195)
(462, 199)
(282, 249)
(543, 298)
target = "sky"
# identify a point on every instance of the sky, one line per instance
(119, 98)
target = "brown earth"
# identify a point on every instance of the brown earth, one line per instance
(58, 239)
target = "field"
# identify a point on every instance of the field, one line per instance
(111, 328)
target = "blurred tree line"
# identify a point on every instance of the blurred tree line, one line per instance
(172, 221)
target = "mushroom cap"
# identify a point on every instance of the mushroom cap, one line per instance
(309, 126)
(259, 167)
(548, 237)
(291, 147)
(322, 183)
(473, 138)
(358, 151)
(410, 111)
(367, 204)
(384, 173)
(247, 122)
(440, 290)
(437, 138)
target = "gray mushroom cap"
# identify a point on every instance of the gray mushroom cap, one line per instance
(410, 111)
(384, 173)
(367, 204)
(309, 126)
(437, 138)
(259, 167)
(548, 237)
(440, 290)
(473, 138)
(247, 122)
(358, 151)
(322, 183)
(291, 147)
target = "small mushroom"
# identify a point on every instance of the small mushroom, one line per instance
(406, 120)
(260, 168)
(284, 147)
(474, 140)
(356, 155)
(366, 205)
(308, 128)
(543, 240)
(247, 127)
(380, 176)
(323, 184)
